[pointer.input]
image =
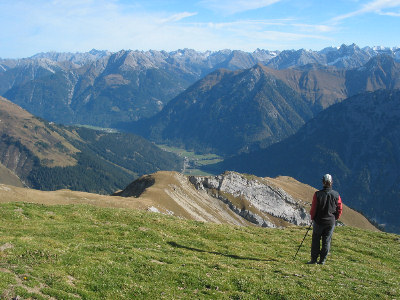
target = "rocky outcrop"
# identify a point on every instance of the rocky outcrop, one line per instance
(255, 199)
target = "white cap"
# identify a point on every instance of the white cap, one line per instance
(327, 178)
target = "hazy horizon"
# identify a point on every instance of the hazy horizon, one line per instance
(79, 26)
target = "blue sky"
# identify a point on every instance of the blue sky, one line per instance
(30, 27)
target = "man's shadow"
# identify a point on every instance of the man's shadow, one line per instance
(173, 244)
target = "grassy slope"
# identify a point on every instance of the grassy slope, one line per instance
(80, 251)
(42, 139)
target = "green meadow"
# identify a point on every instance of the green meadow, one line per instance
(194, 161)
(86, 252)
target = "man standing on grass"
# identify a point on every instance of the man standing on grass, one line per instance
(326, 208)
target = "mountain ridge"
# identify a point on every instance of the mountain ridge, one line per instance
(230, 112)
(78, 88)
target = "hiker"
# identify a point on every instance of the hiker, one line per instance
(326, 208)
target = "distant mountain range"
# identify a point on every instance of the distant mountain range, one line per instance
(343, 57)
(47, 156)
(357, 141)
(229, 112)
(103, 88)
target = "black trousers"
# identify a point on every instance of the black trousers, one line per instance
(321, 233)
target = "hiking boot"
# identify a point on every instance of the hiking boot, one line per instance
(321, 262)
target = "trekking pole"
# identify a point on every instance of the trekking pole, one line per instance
(302, 241)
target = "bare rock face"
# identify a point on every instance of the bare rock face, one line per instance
(254, 199)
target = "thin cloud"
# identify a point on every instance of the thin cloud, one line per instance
(391, 14)
(179, 16)
(249, 25)
(284, 26)
(235, 6)
(250, 32)
(376, 6)
(283, 36)
(314, 27)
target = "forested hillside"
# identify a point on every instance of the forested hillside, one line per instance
(48, 156)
